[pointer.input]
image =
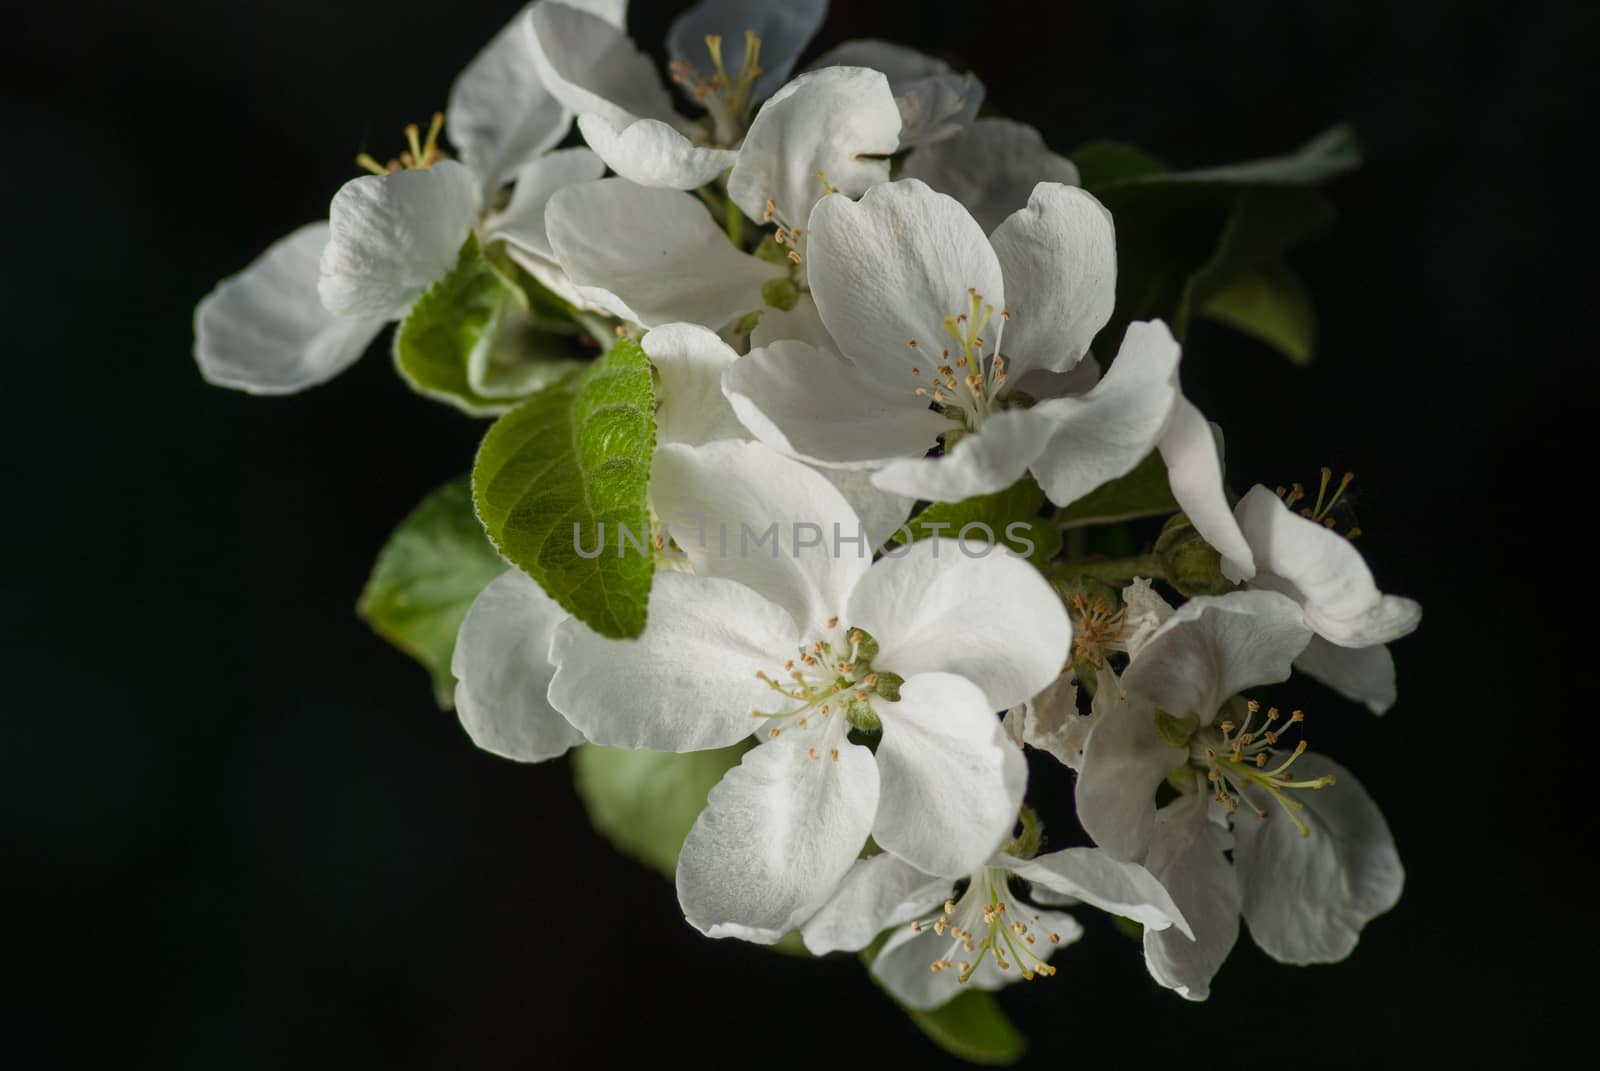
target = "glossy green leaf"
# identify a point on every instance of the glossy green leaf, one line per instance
(1142, 492)
(568, 470)
(645, 802)
(1010, 517)
(432, 567)
(1269, 304)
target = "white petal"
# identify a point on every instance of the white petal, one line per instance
(500, 115)
(265, 330)
(1108, 431)
(1059, 259)
(934, 102)
(689, 682)
(393, 236)
(1306, 898)
(1050, 722)
(816, 405)
(1323, 571)
(882, 514)
(983, 462)
(779, 832)
(952, 779)
(1098, 879)
(904, 961)
(720, 499)
(653, 153)
(1124, 762)
(1360, 674)
(522, 222)
(887, 269)
(1194, 472)
(879, 892)
(653, 256)
(1215, 647)
(690, 361)
(802, 323)
(591, 65)
(503, 670)
(1186, 856)
(784, 28)
(834, 121)
(1144, 611)
(991, 167)
(951, 606)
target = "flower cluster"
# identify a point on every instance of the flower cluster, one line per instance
(813, 337)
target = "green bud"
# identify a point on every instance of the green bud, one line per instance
(888, 686)
(1025, 845)
(747, 323)
(1177, 731)
(771, 252)
(866, 647)
(780, 293)
(1191, 564)
(861, 716)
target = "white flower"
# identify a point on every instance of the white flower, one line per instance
(941, 331)
(309, 306)
(935, 102)
(656, 256)
(986, 935)
(991, 167)
(1313, 861)
(625, 112)
(799, 642)
(502, 654)
(1300, 555)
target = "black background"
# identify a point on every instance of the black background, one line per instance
(238, 834)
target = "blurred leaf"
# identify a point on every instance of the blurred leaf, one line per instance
(971, 1027)
(1270, 304)
(1143, 492)
(427, 574)
(1183, 238)
(570, 467)
(645, 802)
(1018, 504)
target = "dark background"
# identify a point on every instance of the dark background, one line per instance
(236, 831)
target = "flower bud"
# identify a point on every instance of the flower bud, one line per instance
(1191, 564)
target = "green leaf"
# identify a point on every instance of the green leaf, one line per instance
(564, 469)
(645, 802)
(426, 576)
(1269, 304)
(470, 341)
(1143, 492)
(971, 1026)
(1185, 238)
(1019, 504)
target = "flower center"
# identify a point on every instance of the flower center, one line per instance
(988, 909)
(828, 685)
(423, 153)
(1323, 510)
(725, 97)
(1096, 629)
(966, 383)
(1235, 759)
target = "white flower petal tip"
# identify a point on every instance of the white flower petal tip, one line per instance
(934, 102)
(1323, 571)
(393, 236)
(690, 361)
(653, 153)
(1098, 879)
(503, 670)
(265, 330)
